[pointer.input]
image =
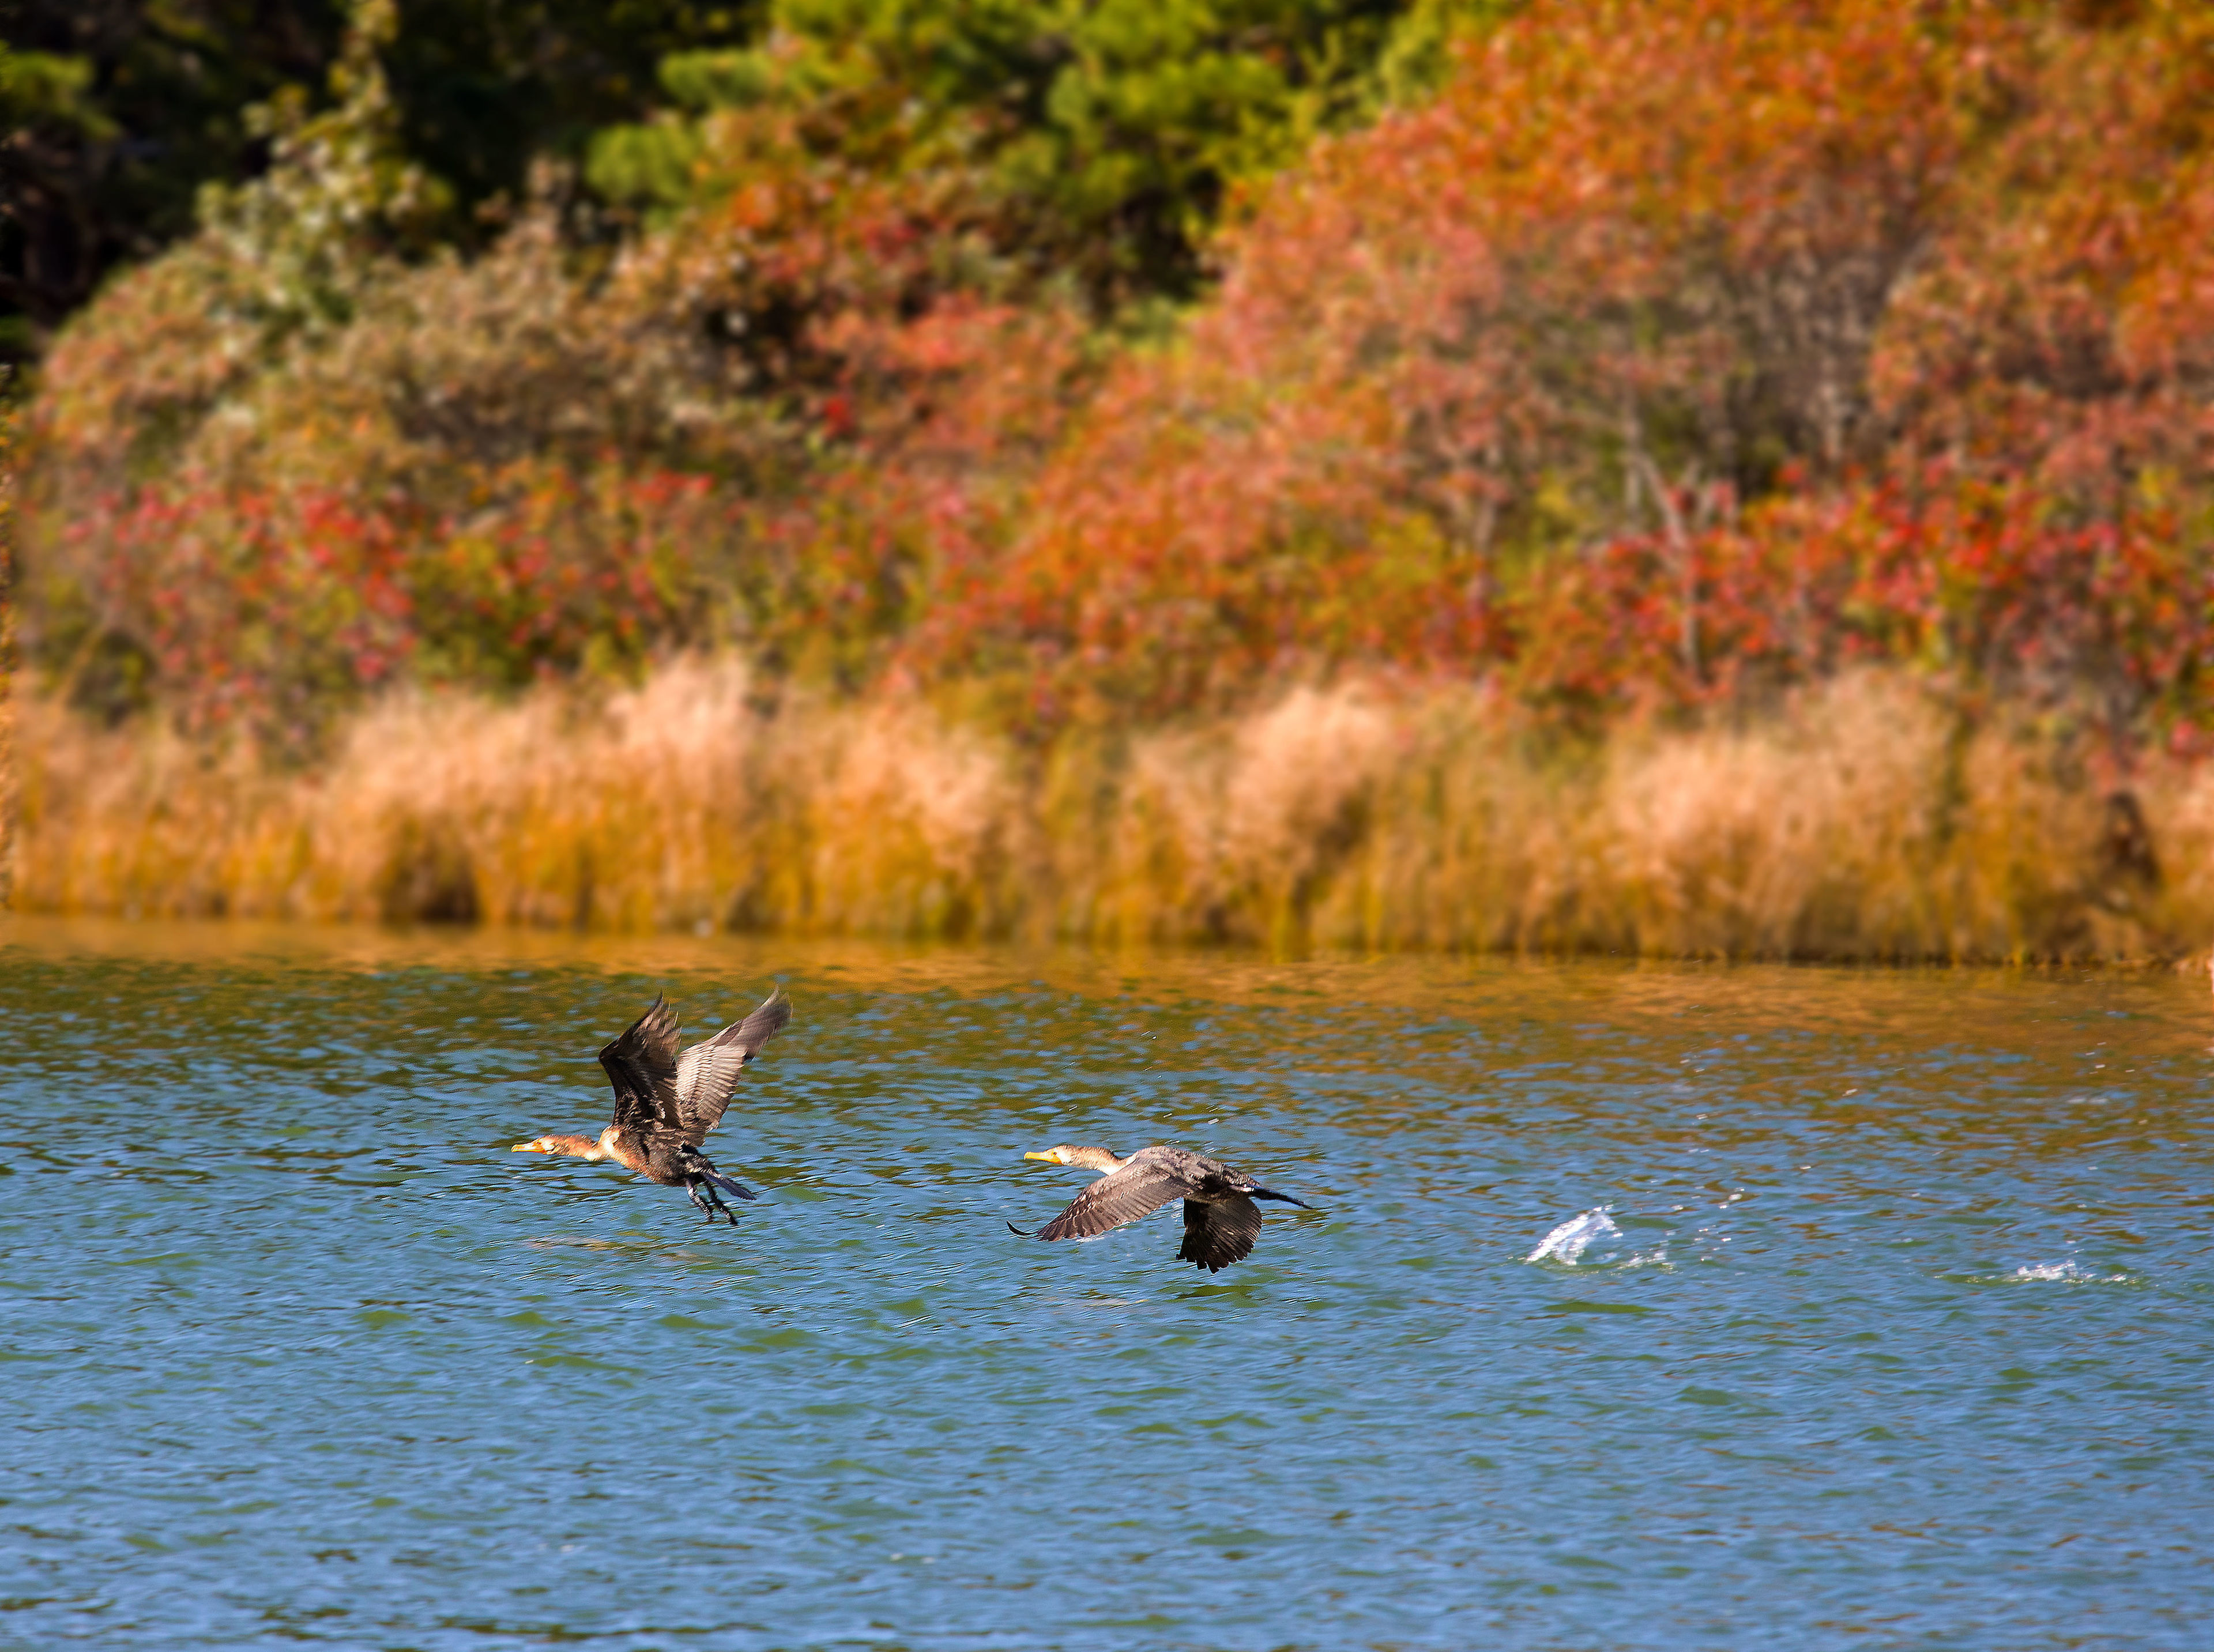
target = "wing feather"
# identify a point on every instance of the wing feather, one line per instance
(706, 1072)
(641, 1064)
(1138, 1189)
(1217, 1234)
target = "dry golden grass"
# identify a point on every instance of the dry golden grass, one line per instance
(1860, 822)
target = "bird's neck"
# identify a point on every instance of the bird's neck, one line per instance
(577, 1147)
(1094, 1158)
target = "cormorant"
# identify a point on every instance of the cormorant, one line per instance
(665, 1103)
(1219, 1220)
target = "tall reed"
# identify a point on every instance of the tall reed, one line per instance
(1862, 821)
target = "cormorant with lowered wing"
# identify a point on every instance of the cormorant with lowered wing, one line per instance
(1221, 1222)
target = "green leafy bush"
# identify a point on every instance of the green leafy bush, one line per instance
(1107, 137)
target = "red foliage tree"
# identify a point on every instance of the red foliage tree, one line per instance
(1675, 352)
(1671, 354)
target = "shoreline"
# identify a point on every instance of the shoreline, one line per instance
(1854, 825)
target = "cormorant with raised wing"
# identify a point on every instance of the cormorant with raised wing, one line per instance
(665, 1103)
(1219, 1220)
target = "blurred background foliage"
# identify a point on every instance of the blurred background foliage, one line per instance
(1108, 134)
(411, 280)
(1113, 129)
(118, 112)
(1085, 367)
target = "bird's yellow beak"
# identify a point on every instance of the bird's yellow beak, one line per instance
(524, 1147)
(1048, 1157)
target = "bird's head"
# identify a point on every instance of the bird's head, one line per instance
(575, 1147)
(1092, 1158)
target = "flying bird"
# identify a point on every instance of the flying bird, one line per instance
(1220, 1220)
(665, 1103)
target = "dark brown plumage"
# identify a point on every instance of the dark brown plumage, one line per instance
(666, 1103)
(1221, 1222)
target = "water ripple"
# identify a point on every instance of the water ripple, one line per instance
(1868, 1310)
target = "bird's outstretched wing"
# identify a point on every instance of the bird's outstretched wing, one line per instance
(1138, 1189)
(706, 1072)
(1215, 1235)
(642, 1066)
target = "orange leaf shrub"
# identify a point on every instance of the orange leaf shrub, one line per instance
(1673, 353)
(1634, 255)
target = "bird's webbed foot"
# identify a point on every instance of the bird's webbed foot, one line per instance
(709, 1204)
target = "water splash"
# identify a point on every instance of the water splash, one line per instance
(2067, 1273)
(1567, 1243)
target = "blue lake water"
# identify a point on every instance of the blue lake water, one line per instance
(1892, 1330)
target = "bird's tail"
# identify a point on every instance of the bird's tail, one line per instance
(1271, 1193)
(731, 1184)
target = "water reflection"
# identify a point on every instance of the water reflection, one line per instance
(1898, 1338)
